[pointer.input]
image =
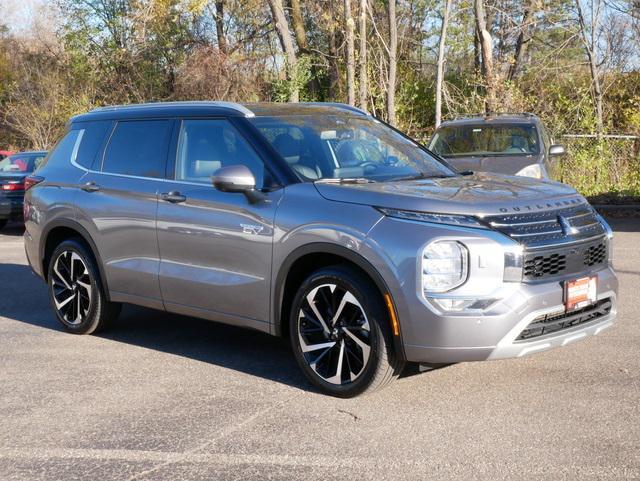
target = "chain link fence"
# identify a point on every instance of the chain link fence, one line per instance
(607, 167)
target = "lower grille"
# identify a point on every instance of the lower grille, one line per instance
(549, 323)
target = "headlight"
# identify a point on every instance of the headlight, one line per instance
(533, 170)
(449, 219)
(444, 266)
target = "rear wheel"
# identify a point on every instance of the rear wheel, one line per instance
(340, 333)
(75, 290)
(3, 223)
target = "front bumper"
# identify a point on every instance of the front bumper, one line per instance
(471, 338)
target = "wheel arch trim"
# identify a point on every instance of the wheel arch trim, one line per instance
(84, 235)
(331, 249)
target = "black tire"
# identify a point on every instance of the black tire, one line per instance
(382, 366)
(77, 268)
(3, 223)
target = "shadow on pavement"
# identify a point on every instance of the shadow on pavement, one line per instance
(25, 299)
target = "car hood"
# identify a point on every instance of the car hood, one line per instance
(478, 194)
(510, 165)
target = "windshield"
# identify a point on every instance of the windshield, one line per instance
(21, 163)
(347, 147)
(486, 139)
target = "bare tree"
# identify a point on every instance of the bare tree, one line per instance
(527, 29)
(393, 63)
(486, 49)
(286, 40)
(589, 36)
(349, 25)
(440, 72)
(219, 16)
(364, 80)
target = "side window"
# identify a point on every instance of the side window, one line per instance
(138, 148)
(65, 149)
(92, 139)
(204, 146)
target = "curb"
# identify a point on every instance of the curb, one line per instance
(620, 209)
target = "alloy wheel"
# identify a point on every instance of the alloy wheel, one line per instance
(71, 287)
(334, 334)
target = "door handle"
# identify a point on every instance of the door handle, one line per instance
(90, 187)
(173, 197)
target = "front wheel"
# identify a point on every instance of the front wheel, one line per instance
(340, 333)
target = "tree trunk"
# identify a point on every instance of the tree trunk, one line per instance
(298, 26)
(286, 40)
(222, 40)
(527, 29)
(589, 39)
(440, 72)
(393, 63)
(486, 49)
(334, 70)
(349, 25)
(364, 80)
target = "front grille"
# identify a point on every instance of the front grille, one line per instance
(595, 255)
(549, 323)
(563, 261)
(539, 229)
(540, 266)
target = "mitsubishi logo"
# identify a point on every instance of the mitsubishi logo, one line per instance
(567, 229)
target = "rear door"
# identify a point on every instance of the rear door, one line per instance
(215, 247)
(118, 203)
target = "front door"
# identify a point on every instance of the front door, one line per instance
(215, 247)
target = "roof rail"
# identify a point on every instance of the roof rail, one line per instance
(339, 105)
(493, 114)
(205, 103)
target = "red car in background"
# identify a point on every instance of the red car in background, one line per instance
(14, 169)
(5, 153)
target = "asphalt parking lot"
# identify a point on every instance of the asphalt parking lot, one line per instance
(162, 397)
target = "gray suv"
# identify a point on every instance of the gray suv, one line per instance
(514, 144)
(317, 223)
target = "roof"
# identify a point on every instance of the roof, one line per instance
(166, 109)
(498, 118)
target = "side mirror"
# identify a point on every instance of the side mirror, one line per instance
(557, 150)
(239, 179)
(235, 178)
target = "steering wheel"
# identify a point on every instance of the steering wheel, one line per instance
(356, 153)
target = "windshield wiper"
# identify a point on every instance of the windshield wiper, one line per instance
(346, 180)
(421, 176)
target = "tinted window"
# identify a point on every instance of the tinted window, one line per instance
(485, 139)
(138, 148)
(92, 139)
(204, 146)
(64, 149)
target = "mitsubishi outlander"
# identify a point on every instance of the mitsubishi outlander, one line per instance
(318, 223)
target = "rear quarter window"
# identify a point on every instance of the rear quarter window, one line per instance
(138, 148)
(65, 150)
(93, 137)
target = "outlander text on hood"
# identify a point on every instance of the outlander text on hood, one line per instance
(315, 222)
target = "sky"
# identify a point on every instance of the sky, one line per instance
(19, 15)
